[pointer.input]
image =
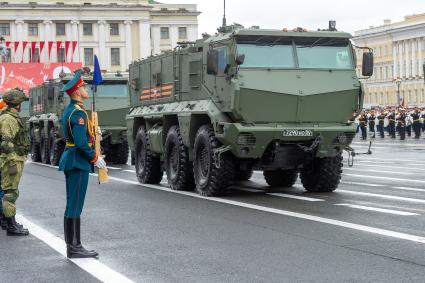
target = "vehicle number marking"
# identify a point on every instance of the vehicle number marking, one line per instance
(297, 133)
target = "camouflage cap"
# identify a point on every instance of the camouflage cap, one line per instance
(14, 96)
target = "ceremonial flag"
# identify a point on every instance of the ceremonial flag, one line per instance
(97, 74)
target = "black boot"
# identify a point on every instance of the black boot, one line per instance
(3, 222)
(14, 228)
(74, 249)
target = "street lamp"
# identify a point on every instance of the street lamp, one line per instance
(398, 82)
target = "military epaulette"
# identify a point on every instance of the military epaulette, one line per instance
(78, 107)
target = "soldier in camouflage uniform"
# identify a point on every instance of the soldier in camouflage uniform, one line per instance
(14, 148)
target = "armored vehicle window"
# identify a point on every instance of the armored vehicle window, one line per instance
(110, 90)
(324, 54)
(267, 56)
(222, 60)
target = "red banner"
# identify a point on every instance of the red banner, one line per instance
(15, 48)
(28, 75)
(24, 45)
(74, 45)
(8, 43)
(67, 43)
(58, 47)
(41, 50)
(32, 51)
(49, 50)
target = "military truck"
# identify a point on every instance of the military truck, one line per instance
(47, 103)
(212, 111)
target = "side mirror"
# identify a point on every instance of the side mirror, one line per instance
(367, 65)
(240, 59)
(212, 62)
(60, 95)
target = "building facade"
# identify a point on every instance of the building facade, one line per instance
(399, 52)
(118, 31)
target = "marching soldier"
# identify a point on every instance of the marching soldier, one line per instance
(416, 123)
(401, 124)
(371, 118)
(380, 126)
(3, 223)
(391, 123)
(362, 123)
(409, 122)
(14, 149)
(77, 162)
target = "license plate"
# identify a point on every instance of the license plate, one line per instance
(297, 133)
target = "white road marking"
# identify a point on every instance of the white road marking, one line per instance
(393, 167)
(90, 265)
(390, 160)
(295, 197)
(386, 178)
(409, 189)
(362, 184)
(131, 171)
(378, 171)
(248, 190)
(113, 168)
(383, 210)
(374, 162)
(358, 227)
(390, 144)
(383, 196)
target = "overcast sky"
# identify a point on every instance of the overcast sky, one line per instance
(311, 14)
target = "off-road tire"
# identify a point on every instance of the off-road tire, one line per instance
(133, 157)
(44, 147)
(178, 167)
(324, 176)
(210, 180)
(119, 152)
(56, 148)
(281, 178)
(243, 175)
(35, 148)
(148, 166)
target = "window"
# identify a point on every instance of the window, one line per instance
(88, 56)
(111, 90)
(114, 29)
(61, 55)
(32, 29)
(182, 33)
(333, 55)
(4, 29)
(115, 57)
(222, 60)
(60, 28)
(36, 55)
(87, 29)
(165, 33)
(267, 56)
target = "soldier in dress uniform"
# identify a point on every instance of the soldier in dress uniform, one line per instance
(409, 123)
(416, 123)
(401, 123)
(77, 162)
(371, 119)
(391, 123)
(362, 123)
(14, 149)
(380, 126)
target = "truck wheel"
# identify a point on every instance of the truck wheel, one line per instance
(325, 175)
(281, 178)
(44, 147)
(243, 175)
(35, 148)
(133, 158)
(178, 167)
(120, 153)
(148, 166)
(210, 180)
(56, 148)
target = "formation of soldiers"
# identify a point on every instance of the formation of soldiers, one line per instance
(391, 120)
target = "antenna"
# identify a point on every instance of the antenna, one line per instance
(224, 17)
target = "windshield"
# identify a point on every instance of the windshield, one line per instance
(119, 90)
(267, 56)
(309, 53)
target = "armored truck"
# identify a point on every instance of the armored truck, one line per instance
(47, 103)
(212, 111)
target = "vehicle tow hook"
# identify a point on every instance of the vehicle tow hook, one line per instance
(352, 153)
(217, 155)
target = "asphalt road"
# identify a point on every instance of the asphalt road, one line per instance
(372, 229)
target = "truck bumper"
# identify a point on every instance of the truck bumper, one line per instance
(252, 141)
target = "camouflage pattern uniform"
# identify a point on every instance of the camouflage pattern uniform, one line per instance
(14, 146)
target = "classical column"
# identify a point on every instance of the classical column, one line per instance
(20, 37)
(102, 44)
(174, 34)
(400, 58)
(395, 66)
(420, 59)
(45, 58)
(156, 36)
(414, 68)
(75, 37)
(192, 33)
(144, 38)
(128, 43)
(406, 51)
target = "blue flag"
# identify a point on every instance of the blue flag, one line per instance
(97, 74)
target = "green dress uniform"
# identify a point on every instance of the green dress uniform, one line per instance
(76, 162)
(14, 148)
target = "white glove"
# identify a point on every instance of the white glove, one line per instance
(100, 163)
(99, 132)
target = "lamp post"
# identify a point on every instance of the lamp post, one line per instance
(398, 82)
